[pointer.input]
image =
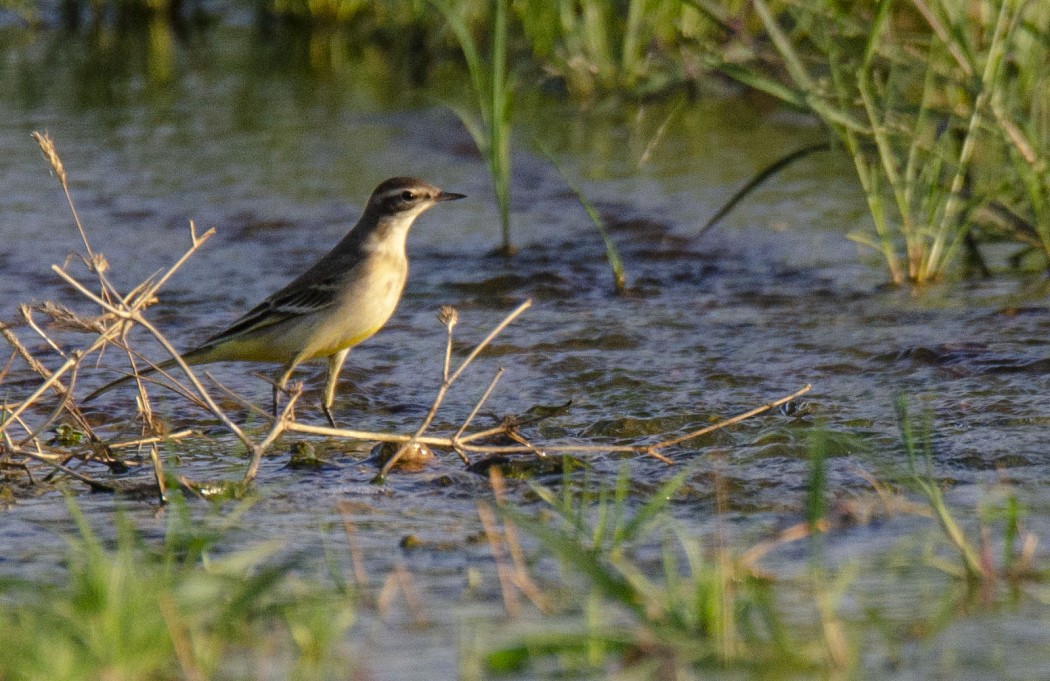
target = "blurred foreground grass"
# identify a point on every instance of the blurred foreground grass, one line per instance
(596, 577)
(187, 607)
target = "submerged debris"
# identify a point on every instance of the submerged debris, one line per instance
(416, 456)
(304, 455)
(524, 468)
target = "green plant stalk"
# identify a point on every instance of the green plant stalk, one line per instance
(952, 42)
(914, 242)
(949, 233)
(839, 119)
(587, 560)
(136, 611)
(869, 180)
(759, 178)
(928, 215)
(493, 91)
(652, 508)
(888, 160)
(714, 11)
(792, 60)
(871, 47)
(600, 530)
(725, 621)
(816, 502)
(621, 529)
(597, 646)
(825, 600)
(572, 36)
(499, 125)
(809, 96)
(970, 556)
(612, 253)
(878, 131)
(1038, 192)
(972, 565)
(708, 612)
(867, 173)
(630, 55)
(1029, 166)
(595, 29)
(1012, 531)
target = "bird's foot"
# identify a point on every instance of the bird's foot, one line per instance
(328, 415)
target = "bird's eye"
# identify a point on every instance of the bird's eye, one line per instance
(408, 195)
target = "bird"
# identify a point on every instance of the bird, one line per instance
(342, 300)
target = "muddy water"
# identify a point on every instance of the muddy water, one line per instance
(279, 152)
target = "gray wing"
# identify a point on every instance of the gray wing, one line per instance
(312, 291)
(291, 301)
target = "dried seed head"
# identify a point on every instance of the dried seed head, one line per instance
(448, 316)
(63, 318)
(47, 146)
(98, 263)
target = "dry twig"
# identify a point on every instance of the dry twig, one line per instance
(120, 313)
(449, 317)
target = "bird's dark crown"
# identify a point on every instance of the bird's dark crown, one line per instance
(400, 194)
(403, 193)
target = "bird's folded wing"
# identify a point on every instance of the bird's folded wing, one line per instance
(294, 301)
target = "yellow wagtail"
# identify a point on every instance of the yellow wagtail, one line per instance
(342, 300)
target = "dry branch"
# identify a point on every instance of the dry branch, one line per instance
(449, 316)
(119, 313)
(466, 443)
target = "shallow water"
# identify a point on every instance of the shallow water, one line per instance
(279, 154)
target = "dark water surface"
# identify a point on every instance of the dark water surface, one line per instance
(277, 145)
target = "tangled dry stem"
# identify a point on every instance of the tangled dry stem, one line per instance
(119, 313)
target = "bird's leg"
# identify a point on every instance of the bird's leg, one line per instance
(335, 365)
(282, 382)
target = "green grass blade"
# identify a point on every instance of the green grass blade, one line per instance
(492, 90)
(587, 561)
(792, 60)
(652, 508)
(612, 253)
(882, 14)
(762, 175)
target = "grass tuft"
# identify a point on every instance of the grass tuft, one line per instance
(925, 112)
(129, 610)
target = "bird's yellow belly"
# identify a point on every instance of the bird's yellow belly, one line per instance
(361, 310)
(334, 345)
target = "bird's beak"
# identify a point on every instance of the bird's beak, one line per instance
(449, 196)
